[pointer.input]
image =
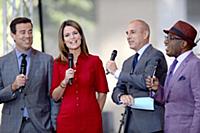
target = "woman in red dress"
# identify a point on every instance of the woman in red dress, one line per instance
(81, 101)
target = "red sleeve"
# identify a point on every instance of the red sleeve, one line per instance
(101, 84)
(55, 76)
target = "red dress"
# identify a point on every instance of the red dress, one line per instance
(79, 111)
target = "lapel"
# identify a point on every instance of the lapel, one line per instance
(12, 66)
(176, 75)
(33, 67)
(143, 57)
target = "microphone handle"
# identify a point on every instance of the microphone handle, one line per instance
(21, 88)
(151, 93)
(70, 81)
(71, 63)
(23, 71)
(107, 72)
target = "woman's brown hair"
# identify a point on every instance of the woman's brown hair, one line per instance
(64, 51)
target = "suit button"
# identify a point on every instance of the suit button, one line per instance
(22, 109)
(25, 94)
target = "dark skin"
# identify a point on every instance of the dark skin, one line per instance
(175, 46)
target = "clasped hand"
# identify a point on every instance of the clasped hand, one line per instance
(69, 73)
(19, 81)
(111, 66)
(126, 100)
(152, 83)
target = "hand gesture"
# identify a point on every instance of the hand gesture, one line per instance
(69, 73)
(111, 66)
(126, 100)
(20, 80)
(152, 83)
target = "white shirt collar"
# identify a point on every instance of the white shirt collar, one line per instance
(180, 58)
(141, 51)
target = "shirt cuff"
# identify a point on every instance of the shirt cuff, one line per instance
(118, 98)
(117, 73)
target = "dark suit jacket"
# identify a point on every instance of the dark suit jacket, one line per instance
(142, 121)
(35, 95)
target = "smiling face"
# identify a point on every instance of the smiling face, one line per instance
(72, 38)
(174, 45)
(23, 36)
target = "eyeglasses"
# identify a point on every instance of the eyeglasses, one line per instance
(172, 38)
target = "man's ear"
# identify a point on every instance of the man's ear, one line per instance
(185, 45)
(12, 35)
(146, 34)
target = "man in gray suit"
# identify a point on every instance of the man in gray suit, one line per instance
(131, 80)
(25, 78)
(181, 92)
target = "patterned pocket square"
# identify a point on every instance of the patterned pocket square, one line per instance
(181, 78)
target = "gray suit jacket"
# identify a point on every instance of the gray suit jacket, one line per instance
(142, 121)
(35, 95)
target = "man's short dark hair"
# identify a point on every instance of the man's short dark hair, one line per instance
(19, 20)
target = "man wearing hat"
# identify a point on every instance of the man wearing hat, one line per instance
(181, 91)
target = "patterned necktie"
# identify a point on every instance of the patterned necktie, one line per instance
(135, 60)
(171, 70)
(23, 64)
(23, 71)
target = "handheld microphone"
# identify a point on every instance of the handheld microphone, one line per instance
(112, 58)
(113, 55)
(23, 70)
(70, 64)
(151, 93)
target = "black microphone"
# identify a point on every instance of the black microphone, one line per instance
(112, 57)
(70, 64)
(23, 69)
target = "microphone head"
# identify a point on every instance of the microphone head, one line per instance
(70, 56)
(113, 55)
(70, 60)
